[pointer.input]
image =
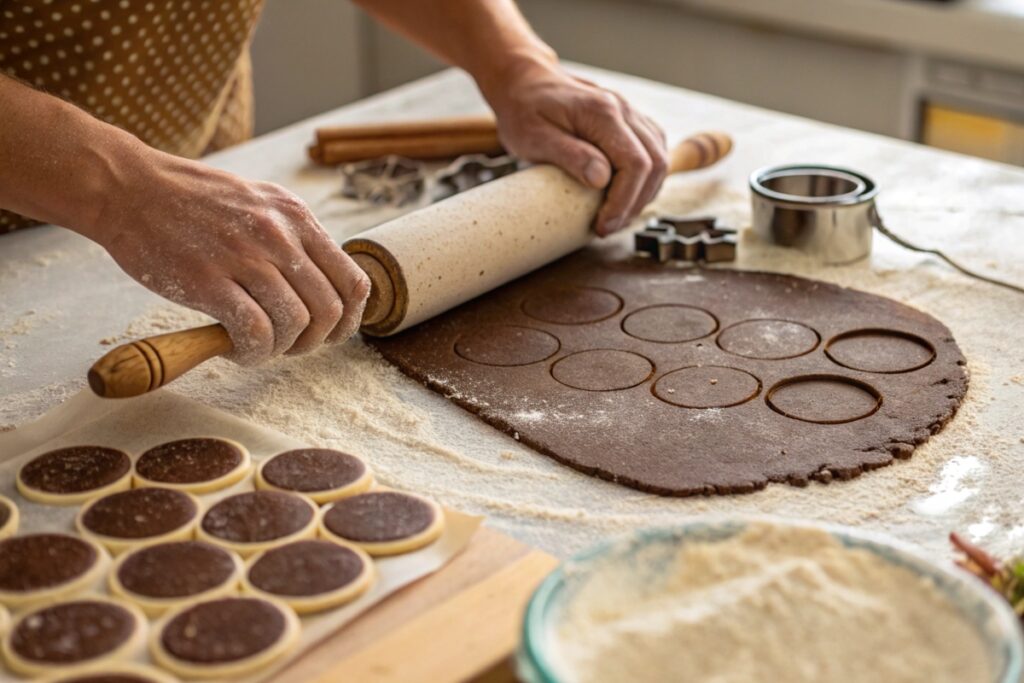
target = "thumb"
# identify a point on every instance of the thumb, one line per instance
(580, 159)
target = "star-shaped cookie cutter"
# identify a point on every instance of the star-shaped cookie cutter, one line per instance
(390, 180)
(471, 170)
(674, 238)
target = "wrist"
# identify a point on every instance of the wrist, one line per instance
(523, 64)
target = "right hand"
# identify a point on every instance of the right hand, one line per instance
(250, 254)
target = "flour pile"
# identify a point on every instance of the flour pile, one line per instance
(770, 604)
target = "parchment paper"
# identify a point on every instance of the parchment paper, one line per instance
(137, 424)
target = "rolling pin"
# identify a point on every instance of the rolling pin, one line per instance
(423, 263)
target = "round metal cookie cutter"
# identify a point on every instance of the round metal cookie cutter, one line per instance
(826, 211)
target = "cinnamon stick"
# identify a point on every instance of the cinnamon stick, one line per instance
(453, 125)
(432, 146)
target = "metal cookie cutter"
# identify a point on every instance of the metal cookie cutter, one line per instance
(390, 180)
(471, 170)
(668, 238)
(826, 211)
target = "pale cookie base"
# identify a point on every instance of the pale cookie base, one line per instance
(193, 670)
(363, 483)
(125, 669)
(10, 527)
(123, 483)
(233, 477)
(5, 620)
(17, 600)
(247, 550)
(126, 650)
(116, 545)
(307, 604)
(156, 607)
(398, 547)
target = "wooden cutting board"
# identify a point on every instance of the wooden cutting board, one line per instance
(460, 623)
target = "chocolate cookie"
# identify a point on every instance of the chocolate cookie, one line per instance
(225, 637)
(9, 517)
(69, 476)
(693, 381)
(199, 465)
(322, 474)
(257, 520)
(310, 576)
(83, 632)
(163, 576)
(383, 522)
(39, 567)
(142, 516)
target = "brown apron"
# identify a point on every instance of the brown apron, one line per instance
(175, 73)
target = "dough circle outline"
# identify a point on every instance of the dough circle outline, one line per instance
(572, 362)
(233, 476)
(395, 546)
(836, 357)
(637, 316)
(735, 372)
(506, 345)
(731, 329)
(320, 496)
(248, 548)
(10, 525)
(552, 310)
(71, 586)
(122, 482)
(119, 544)
(791, 382)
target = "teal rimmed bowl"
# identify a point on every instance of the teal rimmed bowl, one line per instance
(538, 660)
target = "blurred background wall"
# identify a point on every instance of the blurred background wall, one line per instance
(949, 74)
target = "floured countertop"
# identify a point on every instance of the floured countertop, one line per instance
(56, 318)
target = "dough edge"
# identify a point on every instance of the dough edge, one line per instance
(10, 527)
(236, 475)
(247, 550)
(397, 547)
(116, 546)
(360, 485)
(16, 600)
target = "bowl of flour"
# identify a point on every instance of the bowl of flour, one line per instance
(754, 599)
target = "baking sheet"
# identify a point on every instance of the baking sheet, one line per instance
(140, 423)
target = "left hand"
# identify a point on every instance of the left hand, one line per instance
(547, 115)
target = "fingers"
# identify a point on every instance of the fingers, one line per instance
(250, 329)
(348, 280)
(582, 160)
(653, 140)
(323, 303)
(609, 130)
(280, 303)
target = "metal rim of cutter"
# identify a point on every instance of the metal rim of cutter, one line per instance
(862, 189)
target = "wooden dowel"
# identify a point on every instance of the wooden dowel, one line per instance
(699, 151)
(413, 147)
(458, 124)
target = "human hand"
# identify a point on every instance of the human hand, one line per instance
(547, 115)
(249, 254)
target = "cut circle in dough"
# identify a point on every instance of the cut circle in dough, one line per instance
(73, 475)
(77, 634)
(164, 576)
(254, 521)
(137, 517)
(116, 672)
(323, 474)
(196, 465)
(311, 575)
(9, 517)
(45, 567)
(225, 637)
(383, 522)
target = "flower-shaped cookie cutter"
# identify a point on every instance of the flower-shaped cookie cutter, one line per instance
(390, 180)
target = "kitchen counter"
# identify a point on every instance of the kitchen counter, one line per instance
(62, 298)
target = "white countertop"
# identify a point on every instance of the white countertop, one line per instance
(987, 31)
(61, 295)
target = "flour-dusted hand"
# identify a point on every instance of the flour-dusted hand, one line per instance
(547, 115)
(250, 254)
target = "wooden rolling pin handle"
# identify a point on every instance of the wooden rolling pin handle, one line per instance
(141, 366)
(699, 151)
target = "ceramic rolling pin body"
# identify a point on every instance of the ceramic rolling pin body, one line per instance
(423, 263)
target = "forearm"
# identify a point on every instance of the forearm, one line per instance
(58, 164)
(488, 38)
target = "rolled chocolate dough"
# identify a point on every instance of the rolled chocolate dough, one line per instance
(684, 381)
